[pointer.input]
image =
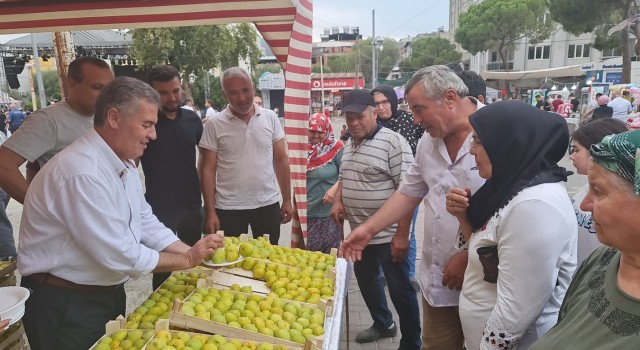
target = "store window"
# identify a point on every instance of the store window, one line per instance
(540, 52)
(579, 51)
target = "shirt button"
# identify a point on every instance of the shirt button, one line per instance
(438, 217)
(450, 167)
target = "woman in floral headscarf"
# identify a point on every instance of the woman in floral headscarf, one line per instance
(323, 166)
(601, 309)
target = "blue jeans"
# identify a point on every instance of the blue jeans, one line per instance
(7, 244)
(411, 254)
(402, 294)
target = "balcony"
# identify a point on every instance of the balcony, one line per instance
(497, 66)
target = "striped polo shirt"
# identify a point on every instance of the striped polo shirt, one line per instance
(370, 173)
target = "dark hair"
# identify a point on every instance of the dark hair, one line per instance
(598, 95)
(594, 131)
(124, 94)
(162, 74)
(474, 83)
(75, 67)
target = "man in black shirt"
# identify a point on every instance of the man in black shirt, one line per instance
(169, 162)
(540, 104)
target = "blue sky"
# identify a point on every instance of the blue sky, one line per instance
(396, 19)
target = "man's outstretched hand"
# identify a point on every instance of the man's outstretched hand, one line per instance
(352, 247)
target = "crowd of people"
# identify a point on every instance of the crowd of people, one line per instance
(509, 260)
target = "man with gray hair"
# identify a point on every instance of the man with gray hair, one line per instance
(243, 153)
(86, 227)
(438, 99)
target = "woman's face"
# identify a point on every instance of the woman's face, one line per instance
(613, 209)
(482, 158)
(580, 157)
(316, 137)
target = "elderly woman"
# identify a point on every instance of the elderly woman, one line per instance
(588, 134)
(323, 166)
(602, 307)
(522, 249)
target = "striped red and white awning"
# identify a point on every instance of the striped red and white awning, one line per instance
(285, 24)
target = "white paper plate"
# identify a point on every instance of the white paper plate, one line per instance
(227, 263)
(12, 301)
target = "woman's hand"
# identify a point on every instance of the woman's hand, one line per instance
(330, 195)
(457, 202)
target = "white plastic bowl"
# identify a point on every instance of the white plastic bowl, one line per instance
(12, 301)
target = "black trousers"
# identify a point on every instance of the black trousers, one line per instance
(263, 220)
(70, 319)
(187, 225)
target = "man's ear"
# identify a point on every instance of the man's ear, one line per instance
(113, 117)
(481, 99)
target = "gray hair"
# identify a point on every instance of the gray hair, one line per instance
(234, 72)
(124, 94)
(436, 81)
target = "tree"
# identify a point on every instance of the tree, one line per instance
(359, 59)
(428, 51)
(195, 50)
(498, 24)
(585, 16)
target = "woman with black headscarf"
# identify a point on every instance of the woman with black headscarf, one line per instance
(520, 227)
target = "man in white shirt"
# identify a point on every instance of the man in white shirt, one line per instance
(49, 130)
(210, 111)
(621, 107)
(437, 97)
(86, 227)
(243, 154)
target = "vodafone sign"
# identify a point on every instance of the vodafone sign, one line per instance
(337, 84)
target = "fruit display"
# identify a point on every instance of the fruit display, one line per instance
(178, 286)
(292, 274)
(286, 320)
(177, 340)
(13, 338)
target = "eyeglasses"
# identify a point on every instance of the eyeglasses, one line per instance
(475, 144)
(383, 102)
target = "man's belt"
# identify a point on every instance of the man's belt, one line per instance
(49, 279)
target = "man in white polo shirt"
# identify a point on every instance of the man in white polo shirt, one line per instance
(242, 154)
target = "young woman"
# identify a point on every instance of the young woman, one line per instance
(588, 134)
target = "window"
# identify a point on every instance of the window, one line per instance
(541, 52)
(615, 52)
(578, 51)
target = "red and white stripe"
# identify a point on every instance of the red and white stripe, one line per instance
(286, 25)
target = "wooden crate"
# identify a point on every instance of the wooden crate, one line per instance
(7, 273)
(17, 340)
(183, 321)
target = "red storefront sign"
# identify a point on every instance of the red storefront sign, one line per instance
(337, 84)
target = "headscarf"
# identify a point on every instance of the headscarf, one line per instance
(323, 152)
(390, 94)
(620, 154)
(524, 145)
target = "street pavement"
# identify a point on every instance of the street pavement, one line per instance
(359, 317)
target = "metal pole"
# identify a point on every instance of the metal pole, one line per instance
(36, 59)
(321, 84)
(356, 87)
(374, 74)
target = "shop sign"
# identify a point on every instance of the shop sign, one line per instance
(337, 84)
